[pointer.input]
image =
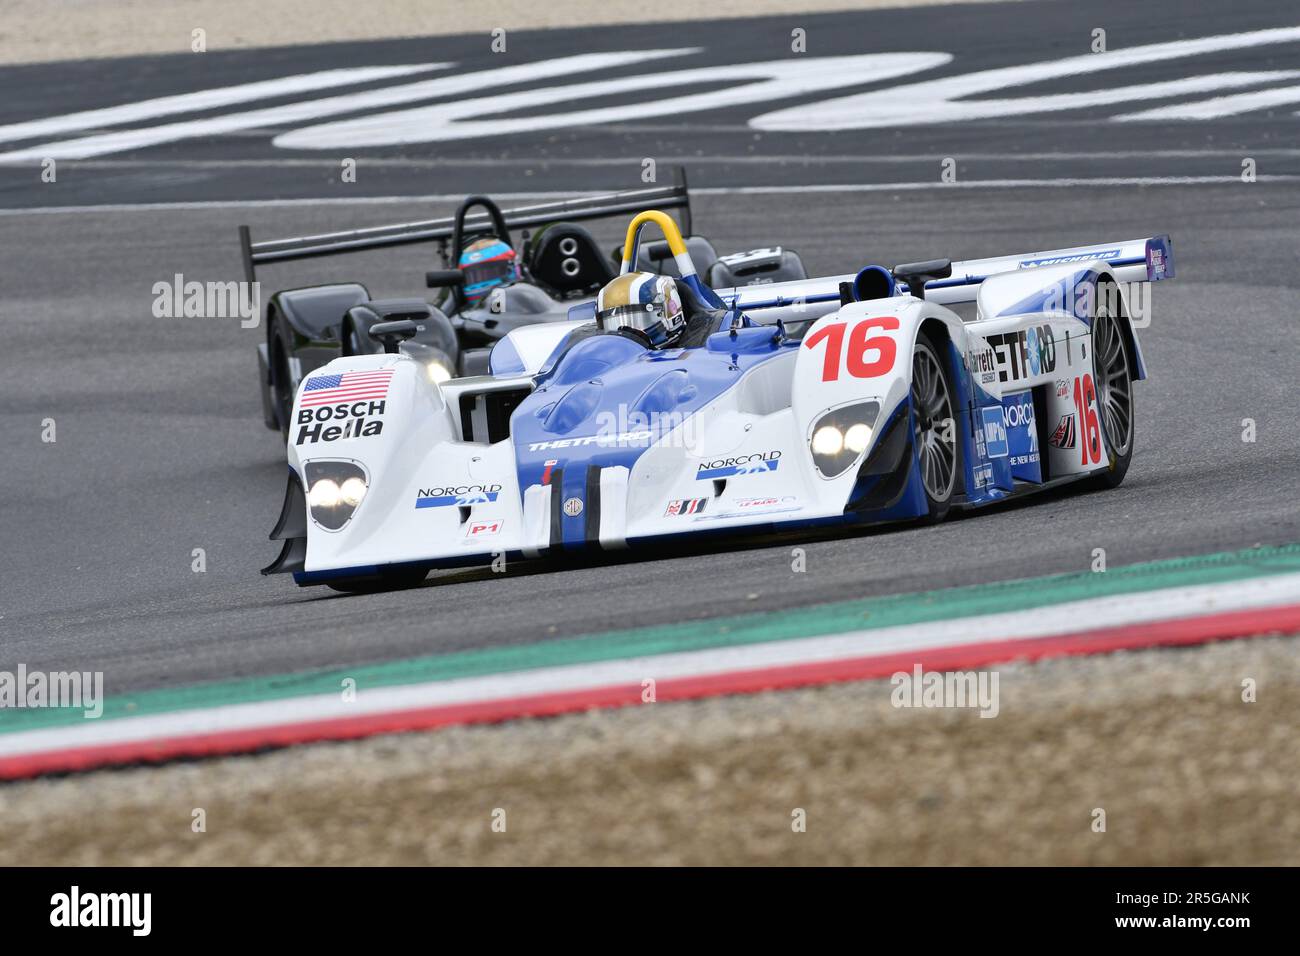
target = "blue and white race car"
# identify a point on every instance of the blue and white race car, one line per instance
(890, 395)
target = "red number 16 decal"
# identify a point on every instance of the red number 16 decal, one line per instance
(1085, 405)
(859, 345)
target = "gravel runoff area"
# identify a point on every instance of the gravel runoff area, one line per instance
(40, 31)
(1162, 741)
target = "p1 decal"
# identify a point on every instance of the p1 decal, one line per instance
(995, 432)
(1085, 409)
(484, 529)
(550, 463)
(861, 345)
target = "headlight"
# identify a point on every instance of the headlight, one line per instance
(840, 437)
(827, 440)
(352, 491)
(438, 373)
(334, 490)
(857, 438)
(323, 494)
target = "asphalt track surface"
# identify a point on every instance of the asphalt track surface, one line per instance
(719, 146)
(160, 449)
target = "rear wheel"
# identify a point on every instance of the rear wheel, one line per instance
(934, 429)
(1112, 365)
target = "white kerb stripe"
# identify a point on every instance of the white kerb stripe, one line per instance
(1071, 617)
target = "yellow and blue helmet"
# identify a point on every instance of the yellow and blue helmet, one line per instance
(487, 263)
(645, 303)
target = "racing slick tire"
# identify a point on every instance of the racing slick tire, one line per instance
(282, 392)
(352, 342)
(1112, 373)
(935, 445)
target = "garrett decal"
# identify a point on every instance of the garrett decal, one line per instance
(456, 495)
(754, 464)
(984, 366)
(358, 420)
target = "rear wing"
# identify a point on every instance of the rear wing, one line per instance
(675, 196)
(1131, 260)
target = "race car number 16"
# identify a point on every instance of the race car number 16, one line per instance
(861, 344)
(1085, 406)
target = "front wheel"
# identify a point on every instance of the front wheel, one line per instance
(935, 428)
(281, 390)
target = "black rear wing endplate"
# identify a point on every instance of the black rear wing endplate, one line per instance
(675, 196)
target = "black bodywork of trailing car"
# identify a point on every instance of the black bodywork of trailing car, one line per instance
(560, 264)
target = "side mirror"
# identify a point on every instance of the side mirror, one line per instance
(392, 334)
(915, 275)
(444, 278)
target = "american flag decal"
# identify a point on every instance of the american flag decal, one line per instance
(346, 387)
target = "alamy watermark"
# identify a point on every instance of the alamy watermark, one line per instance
(975, 689)
(133, 911)
(176, 299)
(625, 427)
(73, 690)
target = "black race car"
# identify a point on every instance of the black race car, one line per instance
(559, 265)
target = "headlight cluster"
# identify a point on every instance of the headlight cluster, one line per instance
(334, 490)
(438, 372)
(841, 436)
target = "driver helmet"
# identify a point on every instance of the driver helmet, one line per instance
(487, 263)
(645, 303)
